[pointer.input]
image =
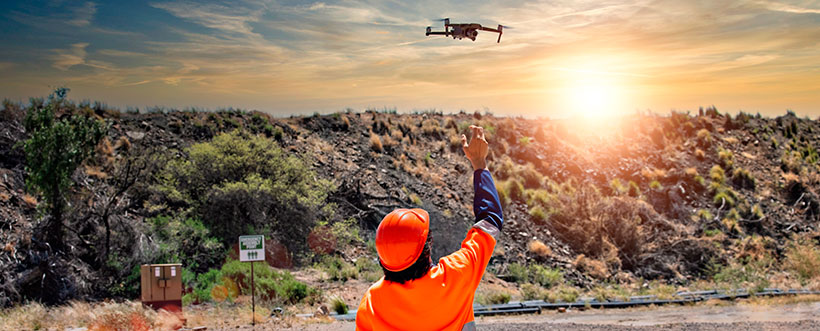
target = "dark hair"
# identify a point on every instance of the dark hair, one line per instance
(415, 271)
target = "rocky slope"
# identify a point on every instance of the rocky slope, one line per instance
(645, 196)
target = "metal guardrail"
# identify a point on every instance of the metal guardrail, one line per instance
(683, 297)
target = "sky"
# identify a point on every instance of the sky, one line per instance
(561, 58)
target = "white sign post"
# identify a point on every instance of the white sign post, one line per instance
(252, 248)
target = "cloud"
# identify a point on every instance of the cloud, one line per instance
(231, 18)
(84, 14)
(786, 8)
(67, 58)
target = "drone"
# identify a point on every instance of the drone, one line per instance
(463, 30)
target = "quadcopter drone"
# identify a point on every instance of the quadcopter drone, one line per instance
(463, 30)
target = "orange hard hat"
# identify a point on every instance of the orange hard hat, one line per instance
(401, 237)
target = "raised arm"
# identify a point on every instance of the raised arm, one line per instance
(486, 204)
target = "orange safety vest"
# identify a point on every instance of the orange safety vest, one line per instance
(440, 300)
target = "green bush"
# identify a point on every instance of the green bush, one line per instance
(537, 274)
(725, 197)
(337, 269)
(546, 277)
(339, 306)
(515, 190)
(238, 182)
(717, 174)
(185, 241)
(531, 291)
(749, 273)
(727, 158)
(368, 269)
(270, 284)
(493, 298)
(563, 294)
(538, 215)
(518, 273)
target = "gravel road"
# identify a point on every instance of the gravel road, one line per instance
(798, 316)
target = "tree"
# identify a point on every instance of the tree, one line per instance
(54, 149)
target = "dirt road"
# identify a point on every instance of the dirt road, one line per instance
(798, 316)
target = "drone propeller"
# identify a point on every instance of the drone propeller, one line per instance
(441, 19)
(508, 27)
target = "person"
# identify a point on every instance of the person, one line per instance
(416, 295)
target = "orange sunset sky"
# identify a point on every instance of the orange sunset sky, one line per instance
(563, 58)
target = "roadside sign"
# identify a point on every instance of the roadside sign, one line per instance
(251, 248)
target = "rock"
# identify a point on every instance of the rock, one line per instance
(322, 311)
(562, 309)
(135, 135)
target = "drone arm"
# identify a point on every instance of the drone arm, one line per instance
(438, 33)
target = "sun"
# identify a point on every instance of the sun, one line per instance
(592, 95)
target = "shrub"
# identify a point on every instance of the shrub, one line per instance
(538, 248)
(519, 273)
(531, 291)
(338, 305)
(803, 257)
(493, 298)
(655, 185)
(270, 284)
(538, 215)
(376, 142)
(515, 190)
(704, 138)
(415, 199)
(617, 187)
(700, 154)
(717, 174)
(791, 162)
(546, 277)
(634, 190)
(592, 267)
(238, 182)
(726, 157)
(337, 269)
(346, 232)
(503, 195)
(749, 273)
(730, 221)
(368, 269)
(563, 294)
(743, 178)
(725, 197)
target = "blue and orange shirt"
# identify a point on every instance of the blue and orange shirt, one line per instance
(443, 298)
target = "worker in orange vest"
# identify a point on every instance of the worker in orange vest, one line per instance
(414, 294)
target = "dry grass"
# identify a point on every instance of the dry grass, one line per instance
(29, 201)
(105, 148)
(103, 316)
(537, 247)
(131, 315)
(376, 142)
(592, 267)
(95, 172)
(123, 143)
(700, 154)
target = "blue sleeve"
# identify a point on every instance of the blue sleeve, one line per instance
(486, 204)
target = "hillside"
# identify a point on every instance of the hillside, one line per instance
(676, 199)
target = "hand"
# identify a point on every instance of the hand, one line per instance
(476, 151)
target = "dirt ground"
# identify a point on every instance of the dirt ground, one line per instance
(717, 316)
